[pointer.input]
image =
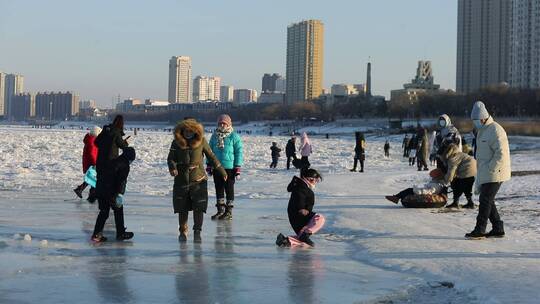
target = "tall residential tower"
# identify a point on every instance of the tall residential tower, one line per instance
(304, 75)
(14, 84)
(525, 44)
(482, 43)
(180, 79)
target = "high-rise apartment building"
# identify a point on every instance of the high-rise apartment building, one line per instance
(304, 61)
(23, 106)
(14, 84)
(525, 44)
(482, 43)
(180, 79)
(56, 106)
(206, 88)
(273, 83)
(2, 93)
(226, 93)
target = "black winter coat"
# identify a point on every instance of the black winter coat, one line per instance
(275, 151)
(302, 197)
(114, 181)
(290, 149)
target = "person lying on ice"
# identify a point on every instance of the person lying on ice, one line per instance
(434, 186)
(303, 220)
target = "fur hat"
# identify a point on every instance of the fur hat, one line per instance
(190, 125)
(224, 118)
(95, 131)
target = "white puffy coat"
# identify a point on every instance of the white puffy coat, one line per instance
(492, 154)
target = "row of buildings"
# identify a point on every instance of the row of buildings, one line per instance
(303, 81)
(498, 41)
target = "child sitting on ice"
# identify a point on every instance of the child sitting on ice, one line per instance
(434, 186)
(303, 220)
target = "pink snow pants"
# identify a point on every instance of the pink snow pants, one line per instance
(314, 225)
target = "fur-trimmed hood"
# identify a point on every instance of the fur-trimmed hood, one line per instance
(452, 150)
(193, 126)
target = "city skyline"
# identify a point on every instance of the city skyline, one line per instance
(127, 54)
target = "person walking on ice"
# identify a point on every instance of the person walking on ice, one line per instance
(387, 149)
(303, 220)
(493, 168)
(185, 162)
(359, 151)
(90, 152)
(290, 150)
(227, 145)
(275, 154)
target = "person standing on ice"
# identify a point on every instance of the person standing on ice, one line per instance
(405, 145)
(387, 149)
(413, 144)
(275, 154)
(290, 150)
(359, 151)
(448, 134)
(422, 152)
(303, 220)
(228, 148)
(89, 158)
(108, 142)
(305, 150)
(493, 168)
(185, 162)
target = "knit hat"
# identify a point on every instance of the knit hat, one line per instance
(225, 119)
(479, 111)
(95, 131)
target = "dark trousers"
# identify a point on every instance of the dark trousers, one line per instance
(405, 152)
(225, 187)
(421, 162)
(462, 186)
(356, 160)
(197, 220)
(274, 162)
(405, 193)
(487, 209)
(104, 209)
(386, 153)
(289, 159)
(305, 162)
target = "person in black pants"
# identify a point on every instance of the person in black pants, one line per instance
(290, 151)
(275, 154)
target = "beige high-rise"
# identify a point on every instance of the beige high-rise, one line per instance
(305, 41)
(180, 79)
(525, 44)
(483, 43)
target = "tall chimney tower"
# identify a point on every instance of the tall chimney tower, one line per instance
(368, 80)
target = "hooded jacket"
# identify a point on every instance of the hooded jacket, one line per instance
(305, 148)
(108, 142)
(232, 154)
(459, 164)
(302, 197)
(492, 154)
(447, 135)
(90, 152)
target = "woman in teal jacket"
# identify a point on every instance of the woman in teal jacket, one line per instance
(227, 146)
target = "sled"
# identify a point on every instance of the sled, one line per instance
(424, 201)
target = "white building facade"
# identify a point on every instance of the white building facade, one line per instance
(180, 79)
(206, 88)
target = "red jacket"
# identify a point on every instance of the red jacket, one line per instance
(90, 152)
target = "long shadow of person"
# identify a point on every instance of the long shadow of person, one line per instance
(303, 271)
(109, 271)
(191, 280)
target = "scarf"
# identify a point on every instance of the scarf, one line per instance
(221, 134)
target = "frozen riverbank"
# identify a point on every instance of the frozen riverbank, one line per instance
(370, 250)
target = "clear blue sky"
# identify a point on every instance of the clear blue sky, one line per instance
(103, 48)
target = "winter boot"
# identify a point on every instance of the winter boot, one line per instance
(220, 209)
(183, 233)
(304, 237)
(98, 238)
(197, 236)
(475, 234)
(497, 231)
(469, 205)
(78, 191)
(394, 199)
(228, 211)
(353, 170)
(282, 241)
(126, 235)
(453, 205)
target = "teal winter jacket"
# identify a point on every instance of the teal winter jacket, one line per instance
(232, 153)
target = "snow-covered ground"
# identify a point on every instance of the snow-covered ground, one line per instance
(370, 250)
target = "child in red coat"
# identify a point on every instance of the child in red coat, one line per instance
(90, 152)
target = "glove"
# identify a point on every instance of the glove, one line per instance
(236, 172)
(209, 170)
